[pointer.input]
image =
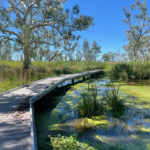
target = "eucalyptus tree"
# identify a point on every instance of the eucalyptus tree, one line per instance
(5, 50)
(108, 57)
(145, 50)
(91, 53)
(138, 22)
(31, 24)
(86, 50)
(70, 50)
(79, 55)
(95, 50)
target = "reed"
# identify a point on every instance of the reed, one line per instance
(90, 104)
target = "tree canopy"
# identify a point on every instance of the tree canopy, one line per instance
(38, 24)
(138, 33)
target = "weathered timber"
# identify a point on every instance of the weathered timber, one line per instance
(17, 125)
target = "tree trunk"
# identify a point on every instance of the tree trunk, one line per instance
(26, 61)
(134, 53)
(26, 64)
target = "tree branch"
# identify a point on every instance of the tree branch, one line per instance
(9, 32)
(11, 39)
(28, 10)
(15, 6)
(42, 24)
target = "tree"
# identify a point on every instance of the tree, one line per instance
(108, 57)
(5, 50)
(95, 50)
(86, 50)
(79, 55)
(33, 24)
(69, 51)
(139, 27)
(91, 53)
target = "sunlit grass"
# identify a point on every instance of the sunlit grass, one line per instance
(11, 71)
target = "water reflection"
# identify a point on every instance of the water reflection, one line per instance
(127, 129)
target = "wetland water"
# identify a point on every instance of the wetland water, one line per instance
(57, 114)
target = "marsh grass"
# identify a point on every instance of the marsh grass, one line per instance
(11, 71)
(115, 102)
(139, 70)
(90, 104)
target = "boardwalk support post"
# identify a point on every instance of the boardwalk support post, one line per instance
(72, 81)
(83, 78)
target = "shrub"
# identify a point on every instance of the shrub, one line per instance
(141, 69)
(132, 70)
(90, 105)
(121, 71)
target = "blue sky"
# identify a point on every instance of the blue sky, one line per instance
(109, 28)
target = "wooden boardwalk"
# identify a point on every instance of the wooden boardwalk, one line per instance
(15, 127)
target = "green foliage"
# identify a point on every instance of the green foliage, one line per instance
(90, 53)
(130, 71)
(141, 70)
(68, 143)
(55, 27)
(5, 50)
(121, 71)
(11, 71)
(115, 102)
(90, 104)
(137, 20)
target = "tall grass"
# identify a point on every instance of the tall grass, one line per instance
(90, 104)
(115, 102)
(130, 71)
(11, 71)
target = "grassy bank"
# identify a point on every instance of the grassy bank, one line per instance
(11, 72)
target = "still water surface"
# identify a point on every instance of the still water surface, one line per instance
(129, 130)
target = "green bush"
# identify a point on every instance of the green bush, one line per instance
(90, 105)
(139, 70)
(121, 71)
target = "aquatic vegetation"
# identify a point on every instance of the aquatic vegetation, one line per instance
(139, 90)
(90, 104)
(86, 124)
(118, 128)
(68, 143)
(81, 125)
(115, 102)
